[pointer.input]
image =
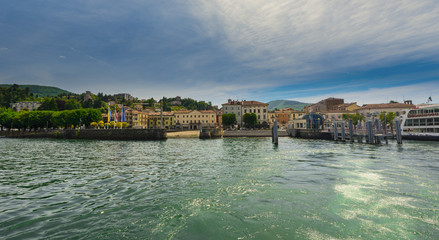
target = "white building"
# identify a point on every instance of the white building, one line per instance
(240, 108)
(18, 106)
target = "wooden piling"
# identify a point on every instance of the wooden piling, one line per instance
(343, 135)
(275, 138)
(351, 131)
(398, 131)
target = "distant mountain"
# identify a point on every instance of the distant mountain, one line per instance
(280, 104)
(41, 91)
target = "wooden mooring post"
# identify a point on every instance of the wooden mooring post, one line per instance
(274, 136)
(335, 132)
(351, 131)
(398, 131)
(343, 134)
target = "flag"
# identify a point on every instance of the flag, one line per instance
(123, 114)
(109, 115)
(115, 114)
(429, 99)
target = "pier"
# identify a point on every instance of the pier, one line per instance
(372, 132)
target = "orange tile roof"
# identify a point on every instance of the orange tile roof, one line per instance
(387, 105)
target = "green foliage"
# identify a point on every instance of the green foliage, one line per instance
(43, 91)
(6, 117)
(355, 117)
(49, 104)
(72, 104)
(387, 117)
(12, 94)
(250, 119)
(228, 119)
(88, 104)
(42, 119)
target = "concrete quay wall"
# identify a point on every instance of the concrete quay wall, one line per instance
(253, 133)
(309, 134)
(94, 134)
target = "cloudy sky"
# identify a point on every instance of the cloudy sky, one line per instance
(365, 51)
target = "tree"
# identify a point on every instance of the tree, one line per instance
(387, 117)
(250, 119)
(87, 104)
(49, 104)
(6, 117)
(228, 119)
(72, 104)
(354, 117)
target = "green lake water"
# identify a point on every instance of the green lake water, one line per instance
(238, 188)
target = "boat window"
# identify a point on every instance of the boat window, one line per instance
(415, 122)
(436, 110)
(429, 121)
(409, 122)
(436, 130)
(436, 121)
(422, 122)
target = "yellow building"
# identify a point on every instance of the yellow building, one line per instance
(136, 119)
(195, 119)
(154, 120)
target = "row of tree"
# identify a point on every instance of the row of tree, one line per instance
(385, 117)
(23, 120)
(14, 94)
(250, 120)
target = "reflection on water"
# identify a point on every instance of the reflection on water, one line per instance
(243, 188)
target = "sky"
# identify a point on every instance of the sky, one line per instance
(363, 51)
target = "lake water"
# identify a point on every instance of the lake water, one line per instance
(242, 188)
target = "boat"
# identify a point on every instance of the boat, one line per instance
(421, 123)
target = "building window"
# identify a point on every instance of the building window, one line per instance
(259, 110)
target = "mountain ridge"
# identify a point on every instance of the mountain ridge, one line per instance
(40, 90)
(280, 104)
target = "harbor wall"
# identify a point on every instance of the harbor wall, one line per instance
(209, 133)
(309, 134)
(253, 133)
(93, 134)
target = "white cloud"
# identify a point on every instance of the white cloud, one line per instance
(418, 93)
(4, 49)
(310, 36)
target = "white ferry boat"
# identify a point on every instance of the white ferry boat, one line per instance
(421, 123)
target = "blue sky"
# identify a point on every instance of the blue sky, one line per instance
(364, 51)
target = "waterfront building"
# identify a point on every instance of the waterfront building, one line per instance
(240, 108)
(233, 107)
(18, 106)
(258, 108)
(285, 115)
(219, 119)
(324, 105)
(371, 110)
(154, 120)
(195, 119)
(136, 119)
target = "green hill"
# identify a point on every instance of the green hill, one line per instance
(41, 91)
(280, 104)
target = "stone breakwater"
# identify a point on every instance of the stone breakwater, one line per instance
(93, 134)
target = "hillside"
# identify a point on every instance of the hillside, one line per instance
(41, 91)
(280, 104)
